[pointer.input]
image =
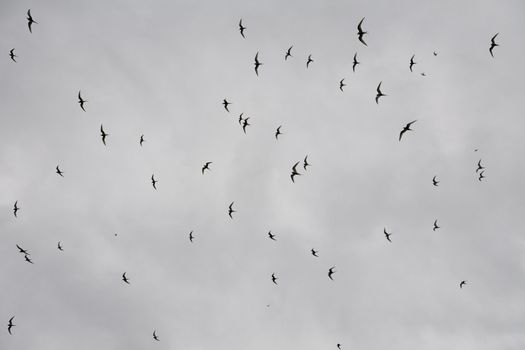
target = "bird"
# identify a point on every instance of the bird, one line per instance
(12, 54)
(16, 208)
(22, 250)
(59, 172)
(305, 162)
(462, 283)
(274, 279)
(314, 252)
(191, 236)
(493, 44)
(59, 246)
(245, 124)
(434, 181)
(379, 93)
(339, 346)
(141, 141)
(230, 210)
(278, 132)
(480, 167)
(310, 60)
(155, 336)
(206, 166)
(271, 236)
(225, 103)
(387, 235)
(481, 176)
(294, 172)
(342, 84)
(10, 325)
(240, 119)
(125, 278)
(257, 64)
(331, 272)
(435, 225)
(412, 63)
(356, 62)
(360, 32)
(153, 181)
(435, 53)
(30, 20)
(103, 134)
(406, 128)
(241, 28)
(26, 257)
(288, 53)
(81, 101)
(423, 74)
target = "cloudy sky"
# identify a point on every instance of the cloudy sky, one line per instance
(162, 69)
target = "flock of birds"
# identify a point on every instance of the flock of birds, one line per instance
(244, 123)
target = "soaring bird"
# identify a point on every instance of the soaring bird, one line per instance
(481, 176)
(314, 252)
(387, 235)
(493, 44)
(12, 54)
(225, 103)
(206, 166)
(10, 325)
(274, 279)
(360, 32)
(15, 208)
(288, 53)
(278, 132)
(230, 210)
(124, 278)
(141, 141)
(22, 250)
(155, 336)
(305, 162)
(191, 236)
(59, 246)
(412, 63)
(435, 182)
(59, 172)
(356, 62)
(26, 257)
(406, 128)
(245, 124)
(339, 346)
(379, 92)
(342, 84)
(480, 167)
(241, 28)
(435, 225)
(81, 101)
(257, 64)
(271, 236)
(240, 119)
(30, 20)
(153, 181)
(435, 53)
(331, 272)
(103, 134)
(462, 283)
(310, 60)
(294, 171)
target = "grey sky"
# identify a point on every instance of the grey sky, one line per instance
(162, 69)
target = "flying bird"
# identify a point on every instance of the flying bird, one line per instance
(30, 20)
(435, 53)
(406, 128)
(356, 62)
(230, 210)
(81, 101)
(59, 246)
(412, 63)
(271, 236)
(10, 325)
(481, 176)
(387, 235)
(103, 134)
(191, 236)
(274, 279)
(226, 104)
(462, 283)
(153, 181)
(339, 346)
(294, 172)
(155, 336)
(435, 182)
(141, 141)
(493, 44)
(305, 162)
(288, 53)
(124, 278)
(12, 54)
(241, 28)
(22, 250)
(278, 132)
(15, 208)
(26, 257)
(257, 64)
(245, 124)
(379, 92)
(435, 226)
(360, 32)
(314, 252)
(59, 172)
(206, 166)
(310, 60)
(342, 84)
(480, 167)
(331, 272)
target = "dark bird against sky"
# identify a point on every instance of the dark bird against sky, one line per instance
(360, 32)
(242, 28)
(30, 21)
(288, 53)
(81, 101)
(493, 44)
(406, 128)
(12, 54)
(294, 171)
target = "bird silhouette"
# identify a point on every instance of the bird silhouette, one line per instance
(10, 325)
(294, 172)
(125, 278)
(387, 235)
(241, 28)
(435, 182)
(141, 141)
(360, 32)
(206, 167)
(103, 134)
(257, 64)
(12, 54)
(16, 208)
(30, 20)
(462, 283)
(305, 162)
(379, 92)
(155, 336)
(406, 128)
(278, 132)
(153, 181)
(81, 101)
(274, 279)
(225, 103)
(271, 236)
(493, 44)
(314, 252)
(339, 346)
(480, 167)
(22, 250)
(230, 210)
(481, 176)
(435, 226)
(59, 246)
(342, 84)
(26, 257)
(355, 63)
(310, 60)
(435, 53)
(288, 53)
(59, 172)
(412, 63)
(245, 124)
(331, 271)
(191, 236)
